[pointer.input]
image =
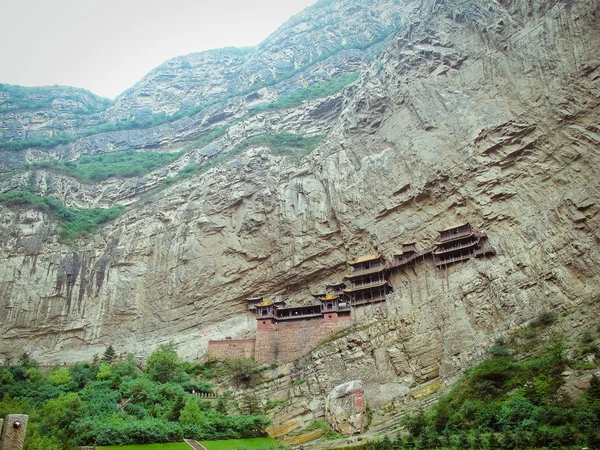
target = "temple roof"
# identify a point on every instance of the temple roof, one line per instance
(455, 226)
(365, 259)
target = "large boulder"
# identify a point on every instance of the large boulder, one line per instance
(345, 408)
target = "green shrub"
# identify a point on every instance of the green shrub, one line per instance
(321, 90)
(74, 222)
(126, 164)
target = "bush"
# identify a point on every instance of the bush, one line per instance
(74, 222)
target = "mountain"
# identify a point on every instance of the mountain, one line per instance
(356, 127)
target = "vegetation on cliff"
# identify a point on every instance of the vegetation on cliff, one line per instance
(102, 403)
(74, 222)
(96, 168)
(516, 399)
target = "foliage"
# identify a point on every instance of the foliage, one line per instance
(507, 403)
(112, 403)
(327, 431)
(162, 364)
(59, 376)
(42, 97)
(74, 222)
(95, 168)
(282, 143)
(162, 118)
(109, 355)
(310, 93)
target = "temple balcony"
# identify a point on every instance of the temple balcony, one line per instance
(485, 250)
(367, 301)
(403, 260)
(445, 262)
(299, 317)
(454, 237)
(360, 287)
(442, 250)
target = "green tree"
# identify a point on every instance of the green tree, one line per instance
(163, 364)
(27, 362)
(104, 372)
(60, 376)
(191, 414)
(60, 415)
(109, 355)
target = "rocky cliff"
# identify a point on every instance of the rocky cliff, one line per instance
(480, 111)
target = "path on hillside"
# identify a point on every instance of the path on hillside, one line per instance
(195, 445)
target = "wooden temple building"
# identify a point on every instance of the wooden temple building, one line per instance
(367, 282)
(409, 256)
(459, 243)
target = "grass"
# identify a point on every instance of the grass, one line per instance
(282, 143)
(126, 164)
(234, 444)
(286, 144)
(321, 90)
(168, 446)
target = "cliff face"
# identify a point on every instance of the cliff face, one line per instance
(483, 112)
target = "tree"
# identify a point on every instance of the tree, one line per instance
(191, 414)
(60, 376)
(26, 362)
(109, 355)
(162, 365)
(104, 372)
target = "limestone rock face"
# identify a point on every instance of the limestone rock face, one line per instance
(345, 408)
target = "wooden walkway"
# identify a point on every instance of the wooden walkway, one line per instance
(194, 444)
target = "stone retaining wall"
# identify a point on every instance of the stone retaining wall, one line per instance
(232, 348)
(287, 342)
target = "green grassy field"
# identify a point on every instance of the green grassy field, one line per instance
(230, 444)
(233, 444)
(172, 446)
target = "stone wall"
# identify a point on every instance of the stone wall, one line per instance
(232, 348)
(287, 342)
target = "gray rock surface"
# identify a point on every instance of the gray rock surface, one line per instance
(346, 408)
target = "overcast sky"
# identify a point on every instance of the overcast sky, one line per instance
(105, 46)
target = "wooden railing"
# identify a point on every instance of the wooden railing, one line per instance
(445, 262)
(439, 251)
(359, 287)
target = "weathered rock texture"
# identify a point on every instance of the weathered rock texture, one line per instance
(480, 111)
(345, 408)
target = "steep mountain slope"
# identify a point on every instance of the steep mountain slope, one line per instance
(481, 111)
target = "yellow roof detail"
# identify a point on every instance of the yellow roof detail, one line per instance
(266, 302)
(365, 258)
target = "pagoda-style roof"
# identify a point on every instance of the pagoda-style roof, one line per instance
(445, 230)
(270, 301)
(363, 272)
(366, 258)
(334, 284)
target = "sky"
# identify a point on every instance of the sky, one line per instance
(106, 46)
